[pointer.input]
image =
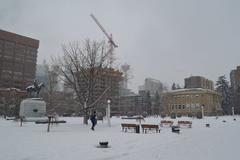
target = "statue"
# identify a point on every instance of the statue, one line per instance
(35, 88)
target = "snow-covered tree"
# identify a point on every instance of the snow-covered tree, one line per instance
(222, 87)
(178, 86)
(174, 86)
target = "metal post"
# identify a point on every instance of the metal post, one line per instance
(108, 113)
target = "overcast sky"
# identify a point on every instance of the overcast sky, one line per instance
(166, 40)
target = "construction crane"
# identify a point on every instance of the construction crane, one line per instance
(110, 39)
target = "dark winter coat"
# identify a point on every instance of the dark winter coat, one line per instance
(93, 119)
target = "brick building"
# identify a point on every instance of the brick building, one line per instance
(190, 101)
(18, 57)
(62, 103)
(107, 79)
(199, 92)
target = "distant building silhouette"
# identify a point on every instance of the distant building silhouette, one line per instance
(152, 85)
(42, 74)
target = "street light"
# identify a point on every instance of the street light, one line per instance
(233, 112)
(202, 107)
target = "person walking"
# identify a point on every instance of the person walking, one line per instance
(93, 119)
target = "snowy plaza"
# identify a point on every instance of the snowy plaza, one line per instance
(73, 140)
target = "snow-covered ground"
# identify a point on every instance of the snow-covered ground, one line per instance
(75, 141)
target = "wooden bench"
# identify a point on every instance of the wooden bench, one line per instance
(45, 122)
(185, 123)
(51, 120)
(167, 123)
(147, 127)
(126, 126)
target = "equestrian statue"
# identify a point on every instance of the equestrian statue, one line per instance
(36, 87)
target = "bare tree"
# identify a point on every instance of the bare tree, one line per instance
(80, 68)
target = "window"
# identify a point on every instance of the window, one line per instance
(183, 106)
(193, 106)
(197, 105)
(179, 106)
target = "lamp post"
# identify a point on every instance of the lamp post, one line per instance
(202, 111)
(233, 112)
(108, 113)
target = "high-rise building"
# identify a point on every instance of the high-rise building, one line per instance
(151, 89)
(18, 57)
(152, 85)
(42, 74)
(235, 79)
(235, 85)
(198, 82)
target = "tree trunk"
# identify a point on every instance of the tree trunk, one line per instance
(85, 118)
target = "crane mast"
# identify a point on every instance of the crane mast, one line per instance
(110, 39)
(104, 31)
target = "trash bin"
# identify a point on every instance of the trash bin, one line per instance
(137, 129)
(175, 129)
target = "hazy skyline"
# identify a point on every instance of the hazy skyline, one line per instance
(166, 40)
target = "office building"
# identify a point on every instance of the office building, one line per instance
(18, 57)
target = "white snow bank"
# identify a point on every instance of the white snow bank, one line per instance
(74, 141)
